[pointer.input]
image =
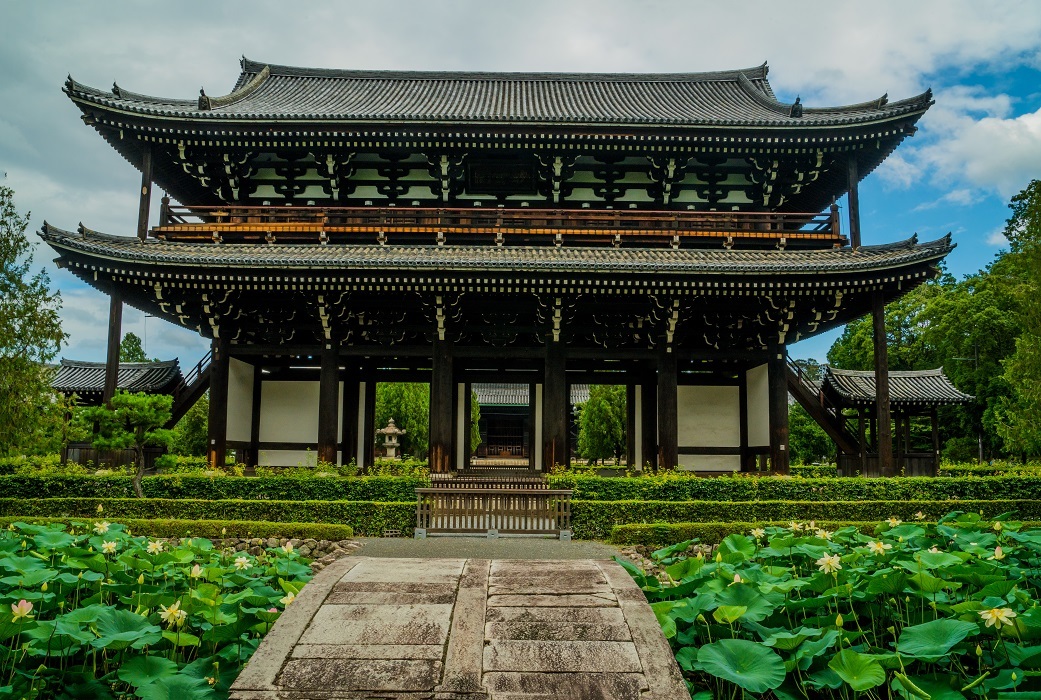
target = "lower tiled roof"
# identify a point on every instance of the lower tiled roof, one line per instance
(500, 394)
(77, 377)
(929, 387)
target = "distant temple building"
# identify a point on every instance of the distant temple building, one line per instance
(331, 229)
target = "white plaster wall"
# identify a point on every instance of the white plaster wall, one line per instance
(758, 406)
(710, 463)
(289, 412)
(240, 400)
(289, 458)
(708, 416)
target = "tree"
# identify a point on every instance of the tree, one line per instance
(601, 423)
(807, 441)
(408, 403)
(30, 331)
(131, 350)
(191, 432)
(132, 421)
(475, 423)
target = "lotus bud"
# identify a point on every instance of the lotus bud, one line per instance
(891, 630)
(61, 604)
(719, 557)
(979, 650)
(44, 587)
(701, 618)
(140, 579)
(100, 508)
(838, 620)
(997, 526)
(1014, 676)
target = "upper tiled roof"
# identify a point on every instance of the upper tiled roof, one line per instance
(727, 98)
(929, 387)
(499, 394)
(495, 259)
(75, 376)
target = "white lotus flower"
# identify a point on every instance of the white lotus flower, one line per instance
(829, 564)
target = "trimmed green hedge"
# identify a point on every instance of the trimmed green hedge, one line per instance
(662, 534)
(364, 488)
(593, 520)
(365, 517)
(773, 488)
(214, 529)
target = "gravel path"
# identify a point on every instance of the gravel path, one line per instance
(483, 548)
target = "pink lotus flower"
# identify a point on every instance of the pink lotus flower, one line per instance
(21, 609)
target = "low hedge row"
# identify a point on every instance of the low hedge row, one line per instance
(663, 534)
(215, 529)
(366, 518)
(772, 488)
(593, 520)
(283, 488)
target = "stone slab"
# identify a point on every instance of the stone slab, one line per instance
(446, 571)
(361, 674)
(561, 657)
(565, 686)
(379, 624)
(552, 601)
(393, 587)
(389, 598)
(547, 587)
(560, 631)
(433, 652)
(584, 616)
(463, 658)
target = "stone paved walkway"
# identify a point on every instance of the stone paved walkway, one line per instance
(465, 629)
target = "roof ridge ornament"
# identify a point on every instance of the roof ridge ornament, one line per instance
(204, 101)
(796, 109)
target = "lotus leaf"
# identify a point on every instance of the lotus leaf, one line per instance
(746, 664)
(142, 670)
(737, 547)
(179, 687)
(932, 640)
(119, 629)
(728, 614)
(759, 606)
(180, 639)
(859, 671)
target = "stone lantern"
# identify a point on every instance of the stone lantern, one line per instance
(390, 438)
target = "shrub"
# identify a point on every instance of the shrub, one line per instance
(661, 534)
(214, 529)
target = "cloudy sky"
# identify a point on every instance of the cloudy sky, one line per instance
(980, 143)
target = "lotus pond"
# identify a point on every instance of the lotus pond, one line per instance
(941, 610)
(89, 611)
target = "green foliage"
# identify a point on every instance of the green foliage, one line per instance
(408, 403)
(192, 432)
(601, 421)
(30, 335)
(131, 421)
(364, 517)
(131, 349)
(215, 529)
(475, 422)
(807, 441)
(89, 611)
(661, 534)
(923, 610)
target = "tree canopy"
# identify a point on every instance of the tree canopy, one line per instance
(601, 423)
(30, 333)
(131, 349)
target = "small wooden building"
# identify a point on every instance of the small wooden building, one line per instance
(913, 395)
(507, 416)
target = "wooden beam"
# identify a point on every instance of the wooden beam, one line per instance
(668, 420)
(146, 192)
(555, 408)
(442, 409)
(778, 408)
(853, 179)
(218, 417)
(885, 433)
(328, 390)
(115, 335)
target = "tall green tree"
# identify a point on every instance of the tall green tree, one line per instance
(131, 421)
(30, 332)
(408, 403)
(601, 423)
(131, 349)
(191, 433)
(807, 441)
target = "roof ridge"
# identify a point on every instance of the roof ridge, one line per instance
(250, 67)
(150, 363)
(239, 93)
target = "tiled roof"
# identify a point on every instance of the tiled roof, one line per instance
(264, 92)
(488, 258)
(517, 394)
(74, 376)
(929, 387)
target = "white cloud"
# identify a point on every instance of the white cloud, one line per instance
(997, 238)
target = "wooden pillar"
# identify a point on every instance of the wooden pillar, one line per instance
(254, 423)
(218, 417)
(442, 408)
(747, 460)
(534, 417)
(631, 448)
(899, 452)
(854, 201)
(885, 433)
(668, 438)
(649, 428)
(907, 443)
(328, 400)
(468, 408)
(556, 406)
(862, 434)
(369, 420)
(934, 418)
(115, 335)
(351, 397)
(778, 389)
(146, 192)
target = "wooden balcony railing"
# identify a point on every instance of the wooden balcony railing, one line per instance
(498, 226)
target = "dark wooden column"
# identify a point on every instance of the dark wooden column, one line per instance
(778, 383)
(146, 192)
(351, 398)
(862, 434)
(668, 421)
(115, 335)
(328, 400)
(934, 418)
(218, 417)
(747, 459)
(442, 409)
(631, 448)
(885, 433)
(369, 422)
(468, 407)
(853, 178)
(649, 411)
(254, 423)
(555, 408)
